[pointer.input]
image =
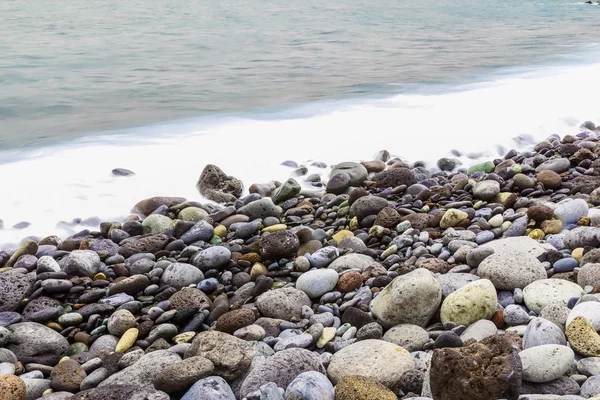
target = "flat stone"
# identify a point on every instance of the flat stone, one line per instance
(544, 292)
(546, 363)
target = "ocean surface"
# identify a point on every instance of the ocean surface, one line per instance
(165, 87)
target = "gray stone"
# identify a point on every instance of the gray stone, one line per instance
(510, 271)
(14, 287)
(486, 190)
(262, 209)
(454, 281)
(213, 257)
(285, 304)
(35, 343)
(541, 332)
(120, 321)
(367, 205)
(352, 261)
(217, 186)
(47, 264)
(82, 263)
(286, 191)
(211, 388)
(34, 388)
(357, 172)
(408, 336)
(516, 246)
(180, 275)
(557, 165)
(479, 330)
(546, 363)
(583, 236)
(94, 378)
(515, 315)
(202, 230)
(281, 369)
(591, 387)
(571, 211)
(317, 282)
(323, 257)
(310, 385)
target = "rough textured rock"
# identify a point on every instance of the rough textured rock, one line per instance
(363, 388)
(211, 388)
(35, 343)
(583, 338)
(180, 376)
(310, 385)
(12, 387)
(510, 271)
(473, 302)
(143, 244)
(283, 244)
(67, 376)
(147, 206)
(395, 177)
(490, 369)
(546, 363)
(215, 185)
(144, 371)
(379, 360)
(545, 292)
(14, 287)
(412, 298)
(285, 304)
(231, 356)
(281, 368)
(120, 392)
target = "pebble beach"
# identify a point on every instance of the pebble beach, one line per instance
(387, 280)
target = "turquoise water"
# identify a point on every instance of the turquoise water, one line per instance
(71, 68)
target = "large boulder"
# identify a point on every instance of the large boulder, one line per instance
(217, 186)
(511, 271)
(490, 369)
(35, 343)
(409, 299)
(379, 360)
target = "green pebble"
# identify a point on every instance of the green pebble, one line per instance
(403, 226)
(388, 252)
(76, 348)
(215, 240)
(70, 319)
(486, 167)
(99, 330)
(342, 329)
(343, 210)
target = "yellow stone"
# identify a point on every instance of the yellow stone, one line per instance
(584, 221)
(452, 217)
(184, 337)
(341, 235)
(220, 231)
(127, 340)
(65, 358)
(275, 228)
(55, 326)
(99, 277)
(505, 225)
(257, 270)
(552, 226)
(583, 338)
(326, 336)
(536, 234)
(47, 392)
(577, 253)
(5, 269)
(353, 225)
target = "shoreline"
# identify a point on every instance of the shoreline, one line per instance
(387, 286)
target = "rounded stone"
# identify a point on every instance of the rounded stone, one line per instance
(67, 376)
(412, 298)
(12, 387)
(195, 214)
(285, 304)
(540, 332)
(394, 177)
(367, 205)
(82, 263)
(180, 275)
(486, 190)
(550, 179)
(339, 183)
(379, 360)
(474, 301)
(213, 257)
(589, 310)
(355, 387)
(233, 320)
(479, 330)
(178, 377)
(156, 223)
(310, 385)
(408, 336)
(317, 282)
(544, 292)
(589, 275)
(35, 343)
(569, 212)
(546, 363)
(120, 321)
(277, 245)
(509, 271)
(211, 388)
(583, 338)
(352, 261)
(452, 217)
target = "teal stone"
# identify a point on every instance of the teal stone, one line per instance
(70, 319)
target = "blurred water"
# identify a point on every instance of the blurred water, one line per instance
(71, 68)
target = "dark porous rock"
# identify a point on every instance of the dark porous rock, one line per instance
(41, 303)
(14, 287)
(187, 302)
(120, 392)
(281, 369)
(497, 376)
(395, 177)
(448, 340)
(419, 221)
(132, 285)
(217, 186)
(366, 206)
(282, 244)
(230, 355)
(67, 376)
(357, 172)
(356, 317)
(143, 372)
(35, 343)
(233, 320)
(143, 244)
(178, 377)
(435, 265)
(540, 213)
(147, 206)
(562, 386)
(388, 218)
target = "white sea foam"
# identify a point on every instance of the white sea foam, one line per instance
(73, 180)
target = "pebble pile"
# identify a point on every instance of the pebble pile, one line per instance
(389, 281)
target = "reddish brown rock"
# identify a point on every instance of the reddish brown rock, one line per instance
(349, 281)
(434, 265)
(67, 376)
(550, 179)
(540, 213)
(233, 320)
(490, 369)
(419, 221)
(388, 218)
